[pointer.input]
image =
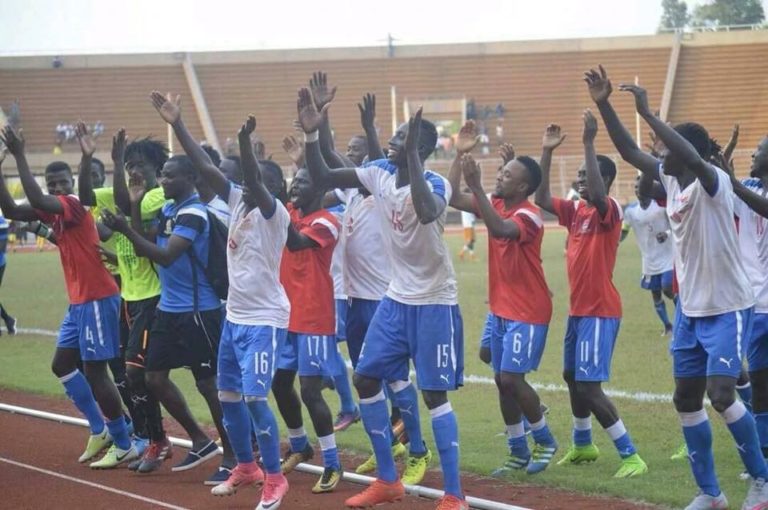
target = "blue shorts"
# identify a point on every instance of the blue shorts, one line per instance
(516, 347)
(309, 355)
(248, 358)
(341, 320)
(93, 328)
(485, 339)
(657, 281)
(431, 335)
(589, 343)
(705, 346)
(359, 315)
(757, 346)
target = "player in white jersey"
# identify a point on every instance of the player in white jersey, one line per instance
(716, 301)
(651, 226)
(419, 318)
(751, 208)
(257, 309)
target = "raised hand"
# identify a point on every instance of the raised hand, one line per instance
(87, 144)
(116, 222)
(728, 151)
(367, 111)
(246, 130)
(414, 128)
(318, 86)
(309, 118)
(136, 187)
(598, 83)
(3, 153)
(468, 137)
(590, 127)
(168, 106)
(118, 146)
(13, 140)
(294, 149)
(725, 163)
(506, 152)
(471, 171)
(641, 98)
(553, 137)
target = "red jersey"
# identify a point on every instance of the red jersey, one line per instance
(591, 256)
(306, 274)
(517, 289)
(78, 242)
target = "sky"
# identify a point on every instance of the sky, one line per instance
(61, 27)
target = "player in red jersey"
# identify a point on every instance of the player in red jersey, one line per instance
(594, 228)
(90, 328)
(310, 349)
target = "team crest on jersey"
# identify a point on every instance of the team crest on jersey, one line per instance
(168, 227)
(585, 226)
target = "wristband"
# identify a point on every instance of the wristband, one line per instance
(311, 137)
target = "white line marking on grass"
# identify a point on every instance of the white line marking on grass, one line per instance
(35, 331)
(92, 484)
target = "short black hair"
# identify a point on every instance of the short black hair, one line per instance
(534, 172)
(714, 149)
(427, 137)
(607, 167)
(212, 153)
(150, 149)
(100, 164)
(270, 166)
(361, 137)
(58, 166)
(236, 159)
(186, 165)
(696, 136)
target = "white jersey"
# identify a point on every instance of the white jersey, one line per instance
(709, 268)
(254, 249)
(220, 209)
(467, 219)
(367, 268)
(422, 271)
(658, 257)
(337, 261)
(753, 243)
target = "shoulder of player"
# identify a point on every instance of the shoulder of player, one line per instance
(381, 164)
(753, 183)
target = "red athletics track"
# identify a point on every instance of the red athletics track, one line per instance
(36, 454)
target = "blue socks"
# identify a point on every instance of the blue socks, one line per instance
(267, 434)
(516, 441)
(298, 439)
(698, 439)
(408, 402)
(742, 427)
(446, 432)
(376, 422)
(745, 394)
(661, 311)
(330, 453)
(79, 392)
(761, 423)
(119, 432)
(582, 431)
(343, 388)
(541, 433)
(621, 439)
(238, 425)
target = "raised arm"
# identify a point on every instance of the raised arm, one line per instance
(600, 89)
(10, 208)
(553, 137)
(651, 188)
(310, 120)
(754, 201)
(37, 199)
(467, 141)
(367, 119)
(598, 195)
(497, 226)
(322, 96)
(252, 172)
(84, 182)
(119, 183)
(731, 146)
(169, 108)
(676, 144)
(428, 205)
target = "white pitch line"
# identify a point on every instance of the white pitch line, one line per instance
(92, 484)
(637, 396)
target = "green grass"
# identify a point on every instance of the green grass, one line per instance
(33, 290)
